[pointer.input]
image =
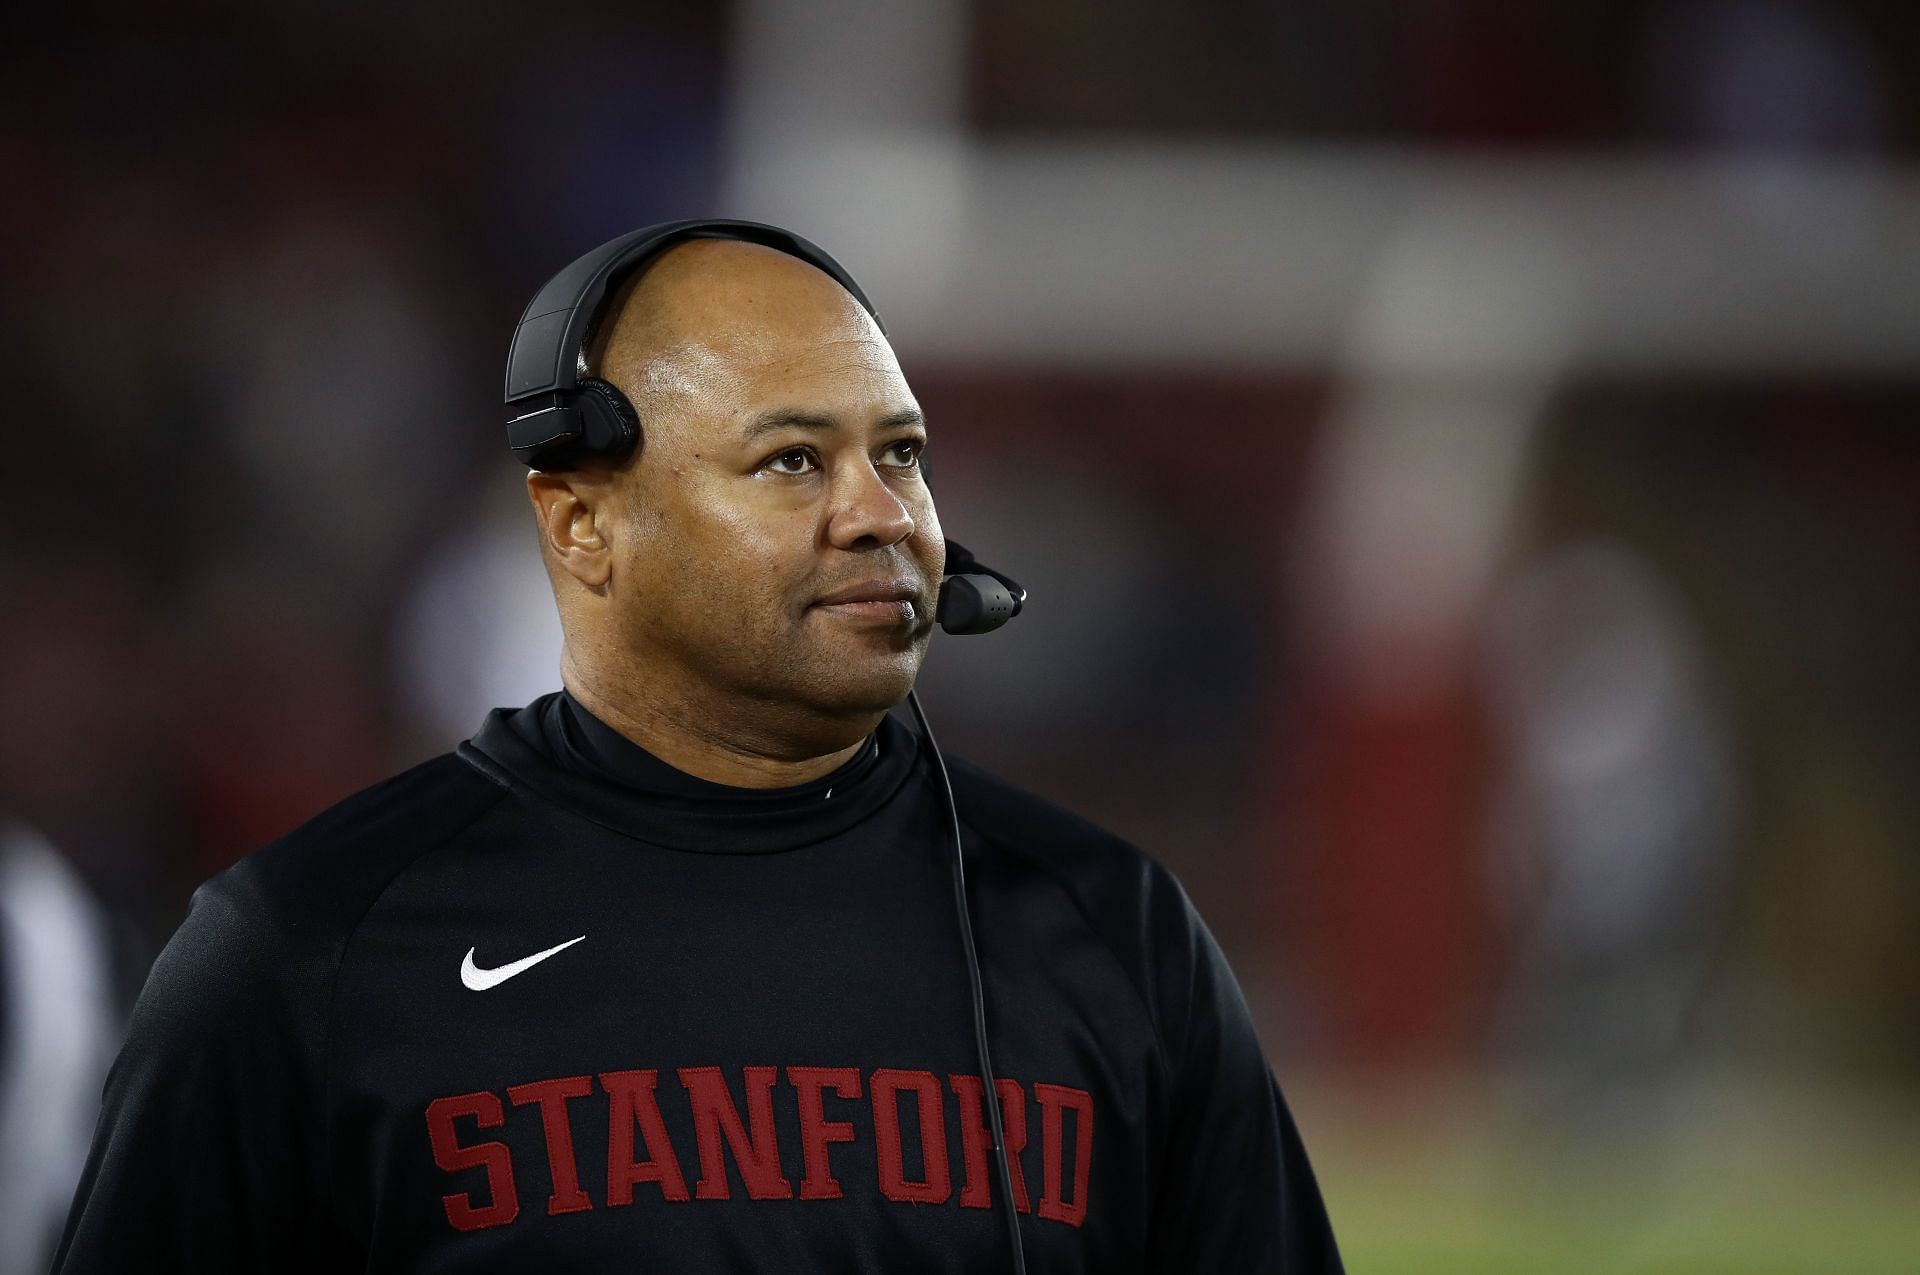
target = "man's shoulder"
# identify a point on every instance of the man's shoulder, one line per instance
(265, 935)
(315, 882)
(1104, 871)
(1003, 811)
(421, 805)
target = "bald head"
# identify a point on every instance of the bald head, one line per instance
(708, 306)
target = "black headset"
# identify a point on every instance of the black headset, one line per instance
(557, 416)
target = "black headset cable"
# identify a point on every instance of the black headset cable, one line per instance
(992, 1091)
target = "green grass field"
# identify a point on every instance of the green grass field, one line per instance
(1743, 1179)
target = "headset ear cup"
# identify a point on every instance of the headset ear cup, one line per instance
(610, 425)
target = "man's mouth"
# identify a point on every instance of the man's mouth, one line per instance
(891, 601)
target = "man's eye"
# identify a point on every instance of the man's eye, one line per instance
(905, 454)
(796, 460)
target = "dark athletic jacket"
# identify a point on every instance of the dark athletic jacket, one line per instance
(546, 1004)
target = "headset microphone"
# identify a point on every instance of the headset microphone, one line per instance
(557, 415)
(974, 598)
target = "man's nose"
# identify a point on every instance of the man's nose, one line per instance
(867, 512)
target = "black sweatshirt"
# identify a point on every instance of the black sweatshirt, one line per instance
(547, 1004)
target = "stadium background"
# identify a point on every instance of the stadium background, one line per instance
(1462, 455)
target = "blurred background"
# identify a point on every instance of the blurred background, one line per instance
(1462, 455)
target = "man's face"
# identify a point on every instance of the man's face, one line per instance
(774, 538)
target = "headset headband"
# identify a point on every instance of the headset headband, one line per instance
(543, 363)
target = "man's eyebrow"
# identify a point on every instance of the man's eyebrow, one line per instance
(788, 418)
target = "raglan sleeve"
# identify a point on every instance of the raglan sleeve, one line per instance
(1235, 1191)
(205, 1155)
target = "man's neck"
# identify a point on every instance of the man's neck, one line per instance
(683, 737)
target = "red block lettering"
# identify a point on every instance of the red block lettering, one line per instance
(630, 1102)
(976, 1137)
(715, 1115)
(885, 1090)
(816, 1131)
(552, 1095)
(492, 1156)
(1055, 1099)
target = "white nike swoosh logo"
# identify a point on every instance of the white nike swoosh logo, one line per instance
(479, 980)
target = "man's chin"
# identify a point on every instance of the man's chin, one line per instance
(865, 683)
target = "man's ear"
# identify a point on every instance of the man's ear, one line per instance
(570, 507)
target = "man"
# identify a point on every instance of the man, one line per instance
(663, 971)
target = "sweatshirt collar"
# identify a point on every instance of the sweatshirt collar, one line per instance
(559, 750)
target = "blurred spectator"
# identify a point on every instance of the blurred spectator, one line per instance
(477, 629)
(59, 1025)
(1613, 838)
